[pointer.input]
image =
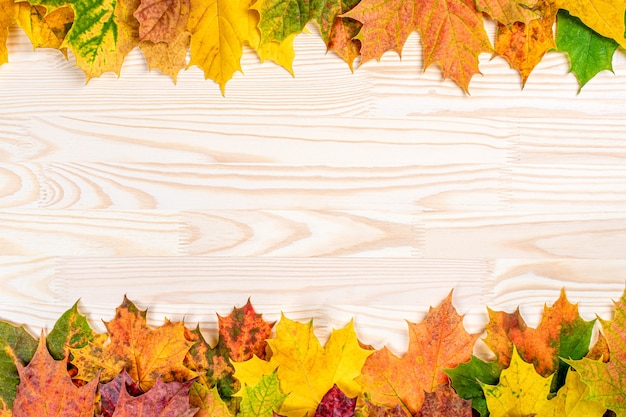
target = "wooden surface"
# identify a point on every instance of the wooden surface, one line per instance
(330, 195)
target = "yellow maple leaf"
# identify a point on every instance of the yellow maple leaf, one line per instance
(570, 401)
(307, 370)
(45, 30)
(282, 53)
(606, 17)
(520, 392)
(8, 14)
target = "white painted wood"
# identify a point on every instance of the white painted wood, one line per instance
(330, 195)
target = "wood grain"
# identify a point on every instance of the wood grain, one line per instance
(328, 195)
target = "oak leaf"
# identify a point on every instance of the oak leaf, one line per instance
(606, 379)
(46, 389)
(8, 15)
(16, 346)
(588, 52)
(169, 399)
(467, 380)
(562, 333)
(162, 20)
(444, 402)
(452, 32)
(520, 392)
(523, 45)
(145, 353)
(262, 399)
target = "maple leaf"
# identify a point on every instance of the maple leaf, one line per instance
(336, 404)
(46, 389)
(305, 369)
(280, 19)
(110, 392)
(452, 32)
(169, 399)
(444, 402)
(438, 343)
(507, 12)
(605, 17)
(8, 14)
(145, 353)
(45, 30)
(208, 401)
(562, 333)
(338, 32)
(570, 401)
(588, 52)
(161, 21)
(520, 392)
(16, 346)
(523, 45)
(71, 331)
(469, 377)
(606, 379)
(374, 410)
(100, 38)
(169, 58)
(261, 399)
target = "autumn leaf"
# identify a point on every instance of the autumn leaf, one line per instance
(262, 399)
(46, 389)
(562, 333)
(16, 346)
(520, 392)
(169, 58)
(452, 33)
(45, 30)
(570, 401)
(508, 12)
(523, 45)
(169, 399)
(468, 378)
(606, 17)
(438, 343)
(374, 410)
(338, 32)
(71, 331)
(100, 38)
(8, 14)
(145, 353)
(588, 52)
(606, 380)
(110, 392)
(161, 20)
(444, 402)
(208, 401)
(280, 19)
(336, 404)
(306, 370)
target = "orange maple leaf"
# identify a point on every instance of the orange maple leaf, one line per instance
(452, 32)
(146, 354)
(46, 388)
(438, 343)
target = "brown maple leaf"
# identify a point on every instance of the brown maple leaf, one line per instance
(162, 21)
(145, 353)
(444, 402)
(46, 389)
(438, 343)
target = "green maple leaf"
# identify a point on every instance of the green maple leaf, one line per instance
(589, 53)
(467, 379)
(16, 344)
(280, 18)
(72, 330)
(607, 380)
(262, 399)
